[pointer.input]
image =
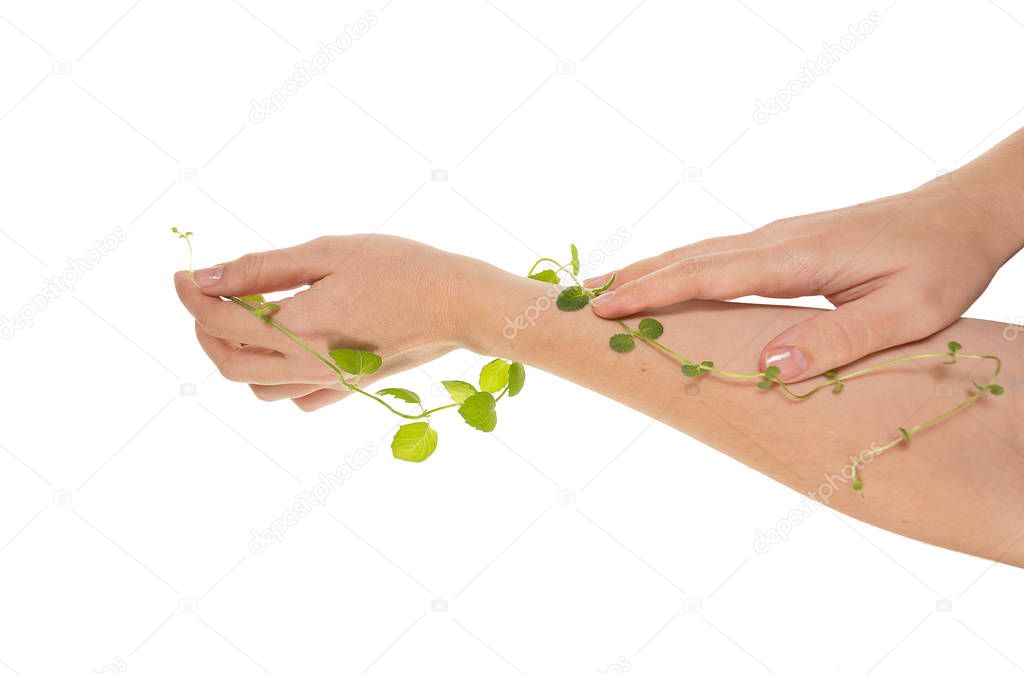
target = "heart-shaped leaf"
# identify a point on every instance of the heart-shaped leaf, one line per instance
(414, 442)
(356, 362)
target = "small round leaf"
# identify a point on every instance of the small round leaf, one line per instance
(621, 342)
(650, 328)
(516, 379)
(478, 411)
(572, 298)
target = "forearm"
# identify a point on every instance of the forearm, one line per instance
(994, 183)
(959, 484)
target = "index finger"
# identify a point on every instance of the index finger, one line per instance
(225, 319)
(649, 265)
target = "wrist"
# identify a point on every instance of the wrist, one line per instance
(494, 307)
(1003, 202)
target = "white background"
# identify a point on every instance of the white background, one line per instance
(126, 504)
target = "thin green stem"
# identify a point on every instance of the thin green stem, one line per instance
(544, 259)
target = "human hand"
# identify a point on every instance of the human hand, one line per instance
(398, 298)
(897, 270)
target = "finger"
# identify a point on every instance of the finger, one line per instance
(652, 264)
(315, 401)
(254, 366)
(225, 319)
(283, 391)
(281, 269)
(718, 276)
(832, 339)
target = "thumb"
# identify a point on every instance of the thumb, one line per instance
(718, 276)
(254, 273)
(835, 338)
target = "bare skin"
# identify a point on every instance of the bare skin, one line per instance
(897, 269)
(959, 485)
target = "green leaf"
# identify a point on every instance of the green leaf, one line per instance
(954, 347)
(259, 299)
(458, 390)
(494, 375)
(478, 411)
(414, 442)
(621, 342)
(690, 370)
(572, 298)
(838, 388)
(995, 389)
(764, 384)
(905, 433)
(575, 258)
(771, 372)
(400, 393)
(857, 484)
(608, 284)
(831, 374)
(707, 365)
(650, 328)
(355, 361)
(516, 379)
(546, 275)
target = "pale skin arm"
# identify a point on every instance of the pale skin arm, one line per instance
(959, 484)
(897, 269)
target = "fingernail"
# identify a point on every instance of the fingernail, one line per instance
(603, 298)
(208, 276)
(790, 360)
(597, 281)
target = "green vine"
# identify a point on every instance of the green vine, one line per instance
(648, 330)
(414, 441)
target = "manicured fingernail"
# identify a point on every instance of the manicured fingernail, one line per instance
(597, 281)
(603, 298)
(790, 360)
(208, 276)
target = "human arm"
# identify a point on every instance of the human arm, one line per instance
(958, 484)
(898, 268)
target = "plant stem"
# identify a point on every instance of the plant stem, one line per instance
(341, 377)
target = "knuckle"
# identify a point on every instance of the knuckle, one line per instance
(327, 242)
(692, 266)
(250, 267)
(852, 335)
